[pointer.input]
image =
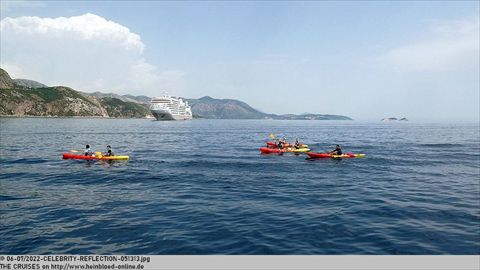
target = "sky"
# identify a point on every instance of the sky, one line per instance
(364, 59)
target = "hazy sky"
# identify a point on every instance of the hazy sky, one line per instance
(367, 60)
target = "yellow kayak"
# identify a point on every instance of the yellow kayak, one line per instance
(301, 150)
(97, 157)
(114, 157)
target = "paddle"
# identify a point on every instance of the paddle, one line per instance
(75, 151)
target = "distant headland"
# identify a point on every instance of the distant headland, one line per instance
(389, 119)
(24, 98)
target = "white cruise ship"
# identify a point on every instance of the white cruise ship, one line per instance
(170, 108)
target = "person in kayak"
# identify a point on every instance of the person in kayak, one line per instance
(280, 144)
(109, 152)
(88, 151)
(337, 150)
(297, 144)
(276, 142)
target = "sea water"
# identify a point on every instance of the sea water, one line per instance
(202, 187)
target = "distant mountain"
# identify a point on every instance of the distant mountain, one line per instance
(28, 83)
(207, 107)
(29, 98)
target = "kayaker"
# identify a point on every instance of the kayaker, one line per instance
(280, 144)
(297, 144)
(277, 141)
(88, 151)
(337, 150)
(109, 152)
(284, 142)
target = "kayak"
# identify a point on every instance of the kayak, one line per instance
(300, 150)
(75, 156)
(327, 155)
(266, 150)
(274, 145)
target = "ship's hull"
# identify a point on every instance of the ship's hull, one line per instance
(161, 115)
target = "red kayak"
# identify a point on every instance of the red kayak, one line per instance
(266, 150)
(327, 155)
(319, 155)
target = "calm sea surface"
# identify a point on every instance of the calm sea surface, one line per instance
(202, 187)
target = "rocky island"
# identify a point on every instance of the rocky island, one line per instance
(389, 119)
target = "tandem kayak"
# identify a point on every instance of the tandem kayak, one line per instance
(274, 145)
(327, 155)
(266, 150)
(75, 156)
